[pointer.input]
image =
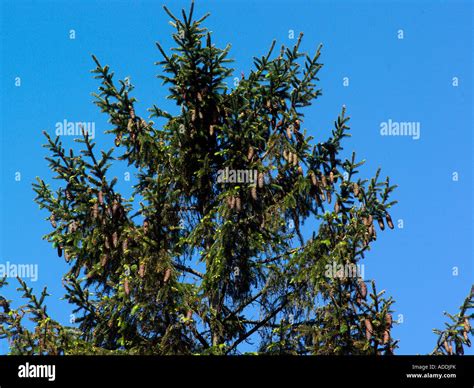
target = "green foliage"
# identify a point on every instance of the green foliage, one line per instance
(135, 277)
(455, 336)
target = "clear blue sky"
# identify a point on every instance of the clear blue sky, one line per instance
(406, 79)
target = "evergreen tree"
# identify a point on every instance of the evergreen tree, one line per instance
(455, 336)
(215, 253)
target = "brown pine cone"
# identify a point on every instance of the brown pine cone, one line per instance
(250, 153)
(52, 220)
(100, 197)
(386, 336)
(141, 270)
(253, 192)
(238, 204)
(167, 275)
(355, 188)
(368, 329)
(381, 224)
(126, 287)
(389, 320)
(331, 177)
(362, 289)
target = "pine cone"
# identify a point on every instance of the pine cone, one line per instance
(337, 207)
(126, 287)
(467, 325)
(68, 194)
(146, 226)
(386, 336)
(381, 224)
(60, 250)
(314, 180)
(130, 126)
(362, 289)
(297, 125)
(355, 188)
(132, 112)
(295, 160)
(52, 220)
(389, 221)
(253, 192)
(288, 132)
(467, 329)
(323, 197)
(370, 220)
(100, 197)
(300, 170)
(331, 177)
(116, 209)
(446, 347)
(372, 232)
(211, 130)
(260, 180)
(115, 239)
(368, 329)
(238, 204)
(328, 193)
(250, 153)
(95, 210)
(141, 270)
(324, 181)
(388, 320)
(167, 275)
(285, 155)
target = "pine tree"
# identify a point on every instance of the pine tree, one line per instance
(201, 266)
(453, 339)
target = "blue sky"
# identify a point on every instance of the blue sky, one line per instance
(405, 80)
